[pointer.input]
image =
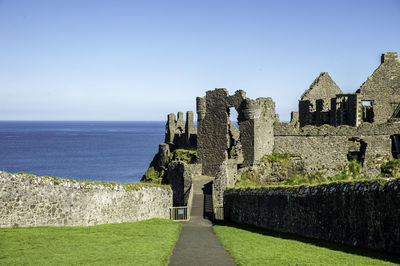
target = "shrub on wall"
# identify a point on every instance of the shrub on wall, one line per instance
(156, 174)
(391, 168)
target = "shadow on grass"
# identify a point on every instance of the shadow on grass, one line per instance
(375, 254)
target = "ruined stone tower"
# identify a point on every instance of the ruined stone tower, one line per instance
(218, 138)
(179, 134)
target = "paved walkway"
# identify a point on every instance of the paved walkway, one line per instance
(197, 243)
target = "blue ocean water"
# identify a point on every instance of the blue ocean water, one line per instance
(101, 151)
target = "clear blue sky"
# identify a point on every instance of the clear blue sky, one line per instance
(139, 60)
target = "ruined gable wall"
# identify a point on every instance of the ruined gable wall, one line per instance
(315, 103)
(326, 148)
(323, 87)
(383, 87)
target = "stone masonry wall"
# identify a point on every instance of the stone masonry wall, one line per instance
(179, 176)
(213, 127)
(382, 88)
(28, 200)
(365, 214)
(319, 153)
(256, 119)
(326, 148)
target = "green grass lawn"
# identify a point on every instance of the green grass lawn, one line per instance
(250, 246)
(141, 243)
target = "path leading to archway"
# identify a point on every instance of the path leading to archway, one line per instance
(197, 243)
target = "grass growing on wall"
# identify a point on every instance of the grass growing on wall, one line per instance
(141, 243)
(391, 168)
(127, 186)
(351, 172)
(188, 156)
(250, 246)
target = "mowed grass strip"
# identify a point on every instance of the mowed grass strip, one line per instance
(250, 246)
(140, 243)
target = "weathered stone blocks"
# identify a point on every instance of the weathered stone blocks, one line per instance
(28, 200)
(365, 214)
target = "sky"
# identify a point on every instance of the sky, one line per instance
(140, 60)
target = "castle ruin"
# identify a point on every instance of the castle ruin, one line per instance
(330, 128)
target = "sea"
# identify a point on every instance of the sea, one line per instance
(94, 151)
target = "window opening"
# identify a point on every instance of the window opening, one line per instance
(234, 133)
(367, 111)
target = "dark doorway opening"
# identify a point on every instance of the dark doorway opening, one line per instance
(367, 111)
(357, 148)
(395, 146)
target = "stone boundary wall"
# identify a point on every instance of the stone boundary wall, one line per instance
(365, 214)
(28, 200)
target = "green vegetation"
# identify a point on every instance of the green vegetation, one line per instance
(277, 166)
(152, 175)
(187, 156)
(157, 175)
(232, 154)
(141, 243)
(250, 246)
(351, 172)
(245, 182)
(283, 158)
(391, 168)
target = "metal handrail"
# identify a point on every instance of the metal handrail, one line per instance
(182, 213)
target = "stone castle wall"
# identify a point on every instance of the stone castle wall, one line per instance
(28, 200)
(365, 214)
(326, 149)
(179, 176)
(318, 153)
(180, 134)
(382, 88)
